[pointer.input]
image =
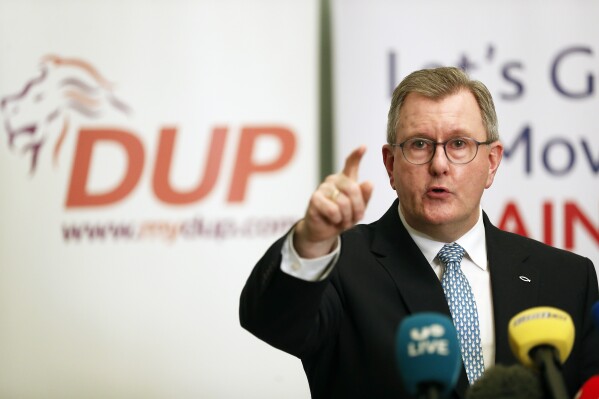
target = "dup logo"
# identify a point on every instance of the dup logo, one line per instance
(70, 91)
(38, 117)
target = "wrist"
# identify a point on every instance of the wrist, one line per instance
(311, 248)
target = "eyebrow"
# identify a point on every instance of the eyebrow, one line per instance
(452, 135)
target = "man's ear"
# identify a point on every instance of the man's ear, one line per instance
(495, 156)
(389, 161)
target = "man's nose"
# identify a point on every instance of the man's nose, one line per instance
(439, 164)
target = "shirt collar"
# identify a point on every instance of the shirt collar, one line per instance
(473, 242)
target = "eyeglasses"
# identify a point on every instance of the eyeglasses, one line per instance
(459, 150)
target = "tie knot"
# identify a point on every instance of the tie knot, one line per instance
(451, 253)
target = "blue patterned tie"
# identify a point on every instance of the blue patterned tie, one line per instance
(463, 310)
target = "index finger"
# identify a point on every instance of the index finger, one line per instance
(352, 162)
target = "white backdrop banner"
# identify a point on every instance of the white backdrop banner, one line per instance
(540, 60)
(150, 153)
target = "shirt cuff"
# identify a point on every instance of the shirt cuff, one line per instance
(316, 269)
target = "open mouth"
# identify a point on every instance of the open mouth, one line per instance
(438, 192)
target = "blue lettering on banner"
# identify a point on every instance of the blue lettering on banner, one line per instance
(508, 69)
(466, 64)
(571, 156)
(524, 140)
(506, 72)
(562, 56)
(587, 151)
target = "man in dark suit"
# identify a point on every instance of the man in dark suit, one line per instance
(333, 293)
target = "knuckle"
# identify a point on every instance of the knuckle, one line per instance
(330, 179)
(353, 190)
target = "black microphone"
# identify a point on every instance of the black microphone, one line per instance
(543, 337)
(428, 355)
(503, 382)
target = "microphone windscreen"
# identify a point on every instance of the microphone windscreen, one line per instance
(428, 352)
(541, 326)
(590, 389)
(596, 315)
(513, 382)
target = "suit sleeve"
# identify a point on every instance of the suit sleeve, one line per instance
(290, 314)
(590, 338)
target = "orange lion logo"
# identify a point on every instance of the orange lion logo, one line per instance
(40, 113)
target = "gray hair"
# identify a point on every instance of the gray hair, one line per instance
(436, 84)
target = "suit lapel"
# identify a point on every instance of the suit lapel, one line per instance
(417, 283)
(514, 285)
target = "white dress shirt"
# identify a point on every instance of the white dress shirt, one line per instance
(474, 266)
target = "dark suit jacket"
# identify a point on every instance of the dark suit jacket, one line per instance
(343, 328)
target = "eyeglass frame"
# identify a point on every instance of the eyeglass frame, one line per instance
(444, 144)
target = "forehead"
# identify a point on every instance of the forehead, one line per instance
(456, 113)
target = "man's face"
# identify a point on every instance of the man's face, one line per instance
(439, 198)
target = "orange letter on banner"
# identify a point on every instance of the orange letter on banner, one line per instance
(161, 184)
(573, 213)
(512, 213)
(78, 195)
(245, 166)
